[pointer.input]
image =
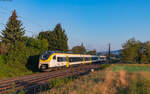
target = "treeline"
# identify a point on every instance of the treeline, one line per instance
(135, 51)
(82, 50)
(57, 39)
(20, 53)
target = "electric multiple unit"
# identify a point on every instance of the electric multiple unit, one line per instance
(50, 60)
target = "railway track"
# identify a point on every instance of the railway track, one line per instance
(32, 82)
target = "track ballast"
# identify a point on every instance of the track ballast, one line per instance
(31, 83)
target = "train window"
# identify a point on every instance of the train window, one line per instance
(94, 58)
(75, 59)
(45, 55)
(87, 58)
(61, 59)
(54, 57)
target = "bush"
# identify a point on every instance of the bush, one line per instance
(2, 59)
(58, 82)
(41, 45)
(22, 58)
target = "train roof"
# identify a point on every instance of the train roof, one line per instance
(68, 53)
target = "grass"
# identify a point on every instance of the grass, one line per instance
(131, 68)
(7, 71)
(60, 82)
(12, 70)
(53, 83)
(114, 79)
(123, 80)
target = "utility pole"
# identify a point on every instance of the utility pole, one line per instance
(109, 52)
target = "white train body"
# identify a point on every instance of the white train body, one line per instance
(54, 60)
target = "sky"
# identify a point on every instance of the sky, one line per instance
(95, 23)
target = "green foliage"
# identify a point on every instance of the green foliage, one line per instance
(13, 31)
(20, 60)
(130, 51)
(57, 38)
(60, 81)
(22, 92)
(27, 56)
(135, 52)
(129, 68)
(93, 52)
(62, 39)
(104, 66)
(19, 54)
(23, 58)
(145, 52)
(42, 44)
(3, 48)
(79, 49)
(50, 37)
(7, 70)
(3, 59)
(16, 54)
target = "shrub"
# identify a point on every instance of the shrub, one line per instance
(2, 59)
(22, 58)
(41, 45)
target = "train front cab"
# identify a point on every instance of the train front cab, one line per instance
(46, 60)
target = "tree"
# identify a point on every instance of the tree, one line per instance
(41, 45)
(62, 40)
(79, 49)
(50, 37)
(136, 52)
(130, 52)
(145, 52)
(57, 38)
(13, 31)
(3, 48)
(92, 52)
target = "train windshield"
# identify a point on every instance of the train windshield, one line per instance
(46, 55)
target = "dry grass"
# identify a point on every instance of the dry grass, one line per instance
(123, 78)
(107, 86)
(106, 82)
(146, 75)
(113, 83)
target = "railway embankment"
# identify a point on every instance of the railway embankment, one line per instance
(42, 81)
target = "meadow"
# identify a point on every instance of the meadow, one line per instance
(115, 79)
(131, 67)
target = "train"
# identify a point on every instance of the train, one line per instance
(52, 60)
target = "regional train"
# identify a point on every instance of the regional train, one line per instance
(52, 60)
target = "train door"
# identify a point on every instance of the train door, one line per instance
(59, 61)
(67, 61)
(83, 59)
(63, 61)
(90, 59)
(54, 61)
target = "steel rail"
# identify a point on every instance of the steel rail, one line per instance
(33, 81)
